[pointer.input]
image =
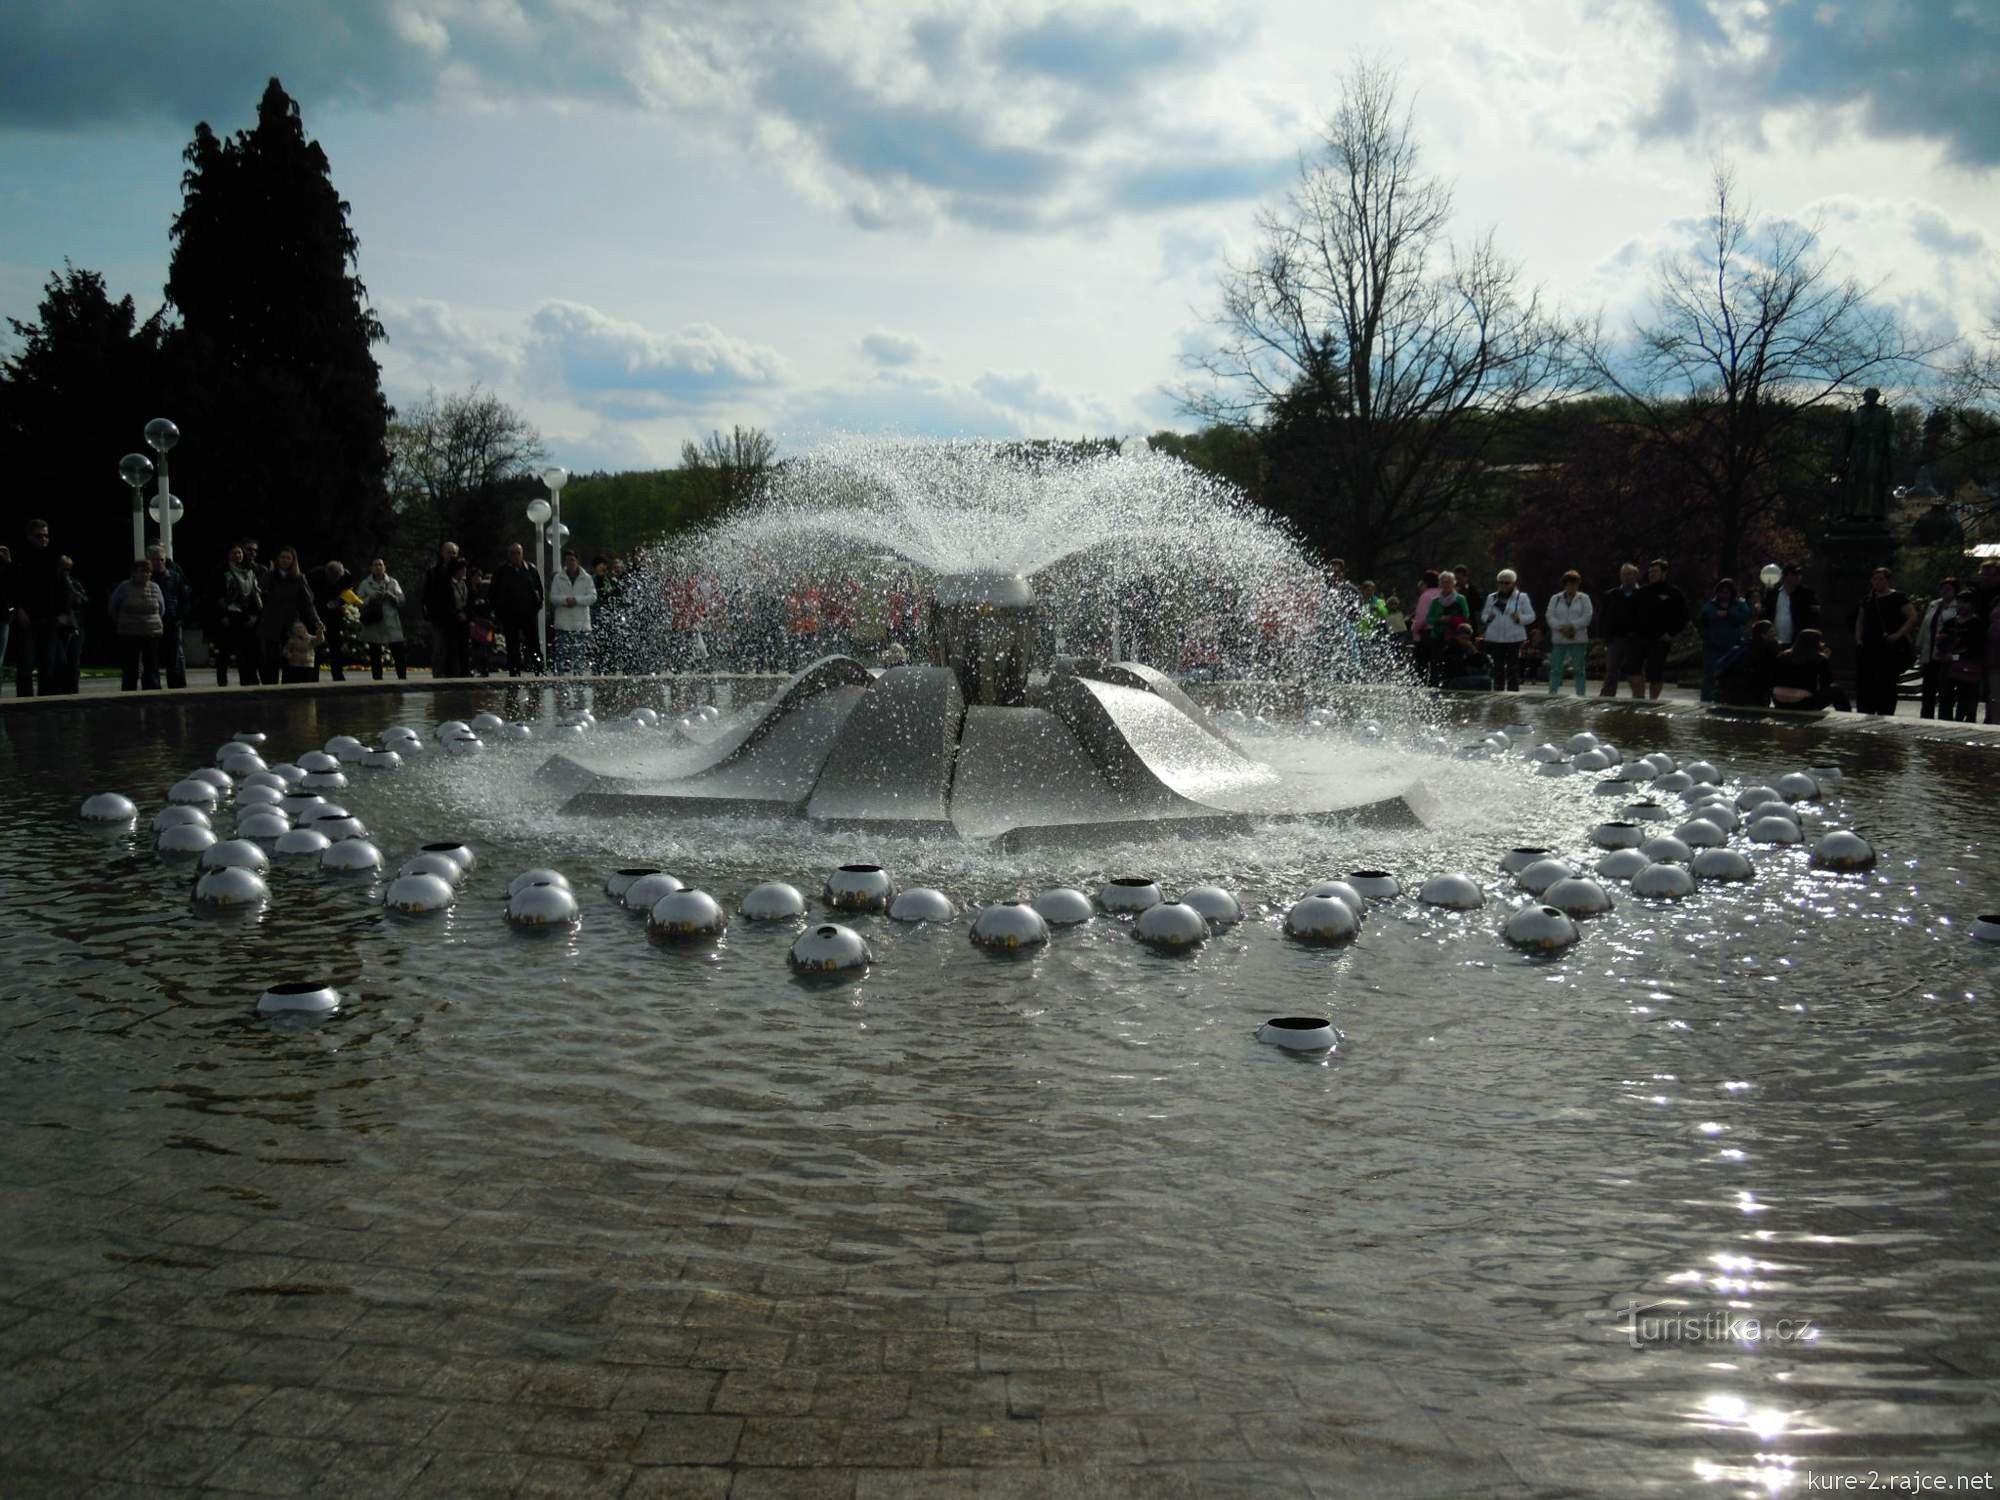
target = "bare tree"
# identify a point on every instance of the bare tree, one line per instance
(732, 465)
(450, 455)
(1747, 342)
(1393, 356)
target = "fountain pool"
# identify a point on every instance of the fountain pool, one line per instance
(574, 1210)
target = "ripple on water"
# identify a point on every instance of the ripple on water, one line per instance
(1764, 1095)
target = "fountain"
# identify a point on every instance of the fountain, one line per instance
(1351, 1141)
(996, 733)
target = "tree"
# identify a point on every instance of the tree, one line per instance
(1749, 341)
(282, 414)
(451, 460)
(1392, 357)
(729, 468)
(75, 396)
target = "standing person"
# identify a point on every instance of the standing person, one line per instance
(288, 601)
(1721, 623)
(1624, 652)
(1791, 606)
(330, 586)
(138, 614)
(382, 619)
(6, 605)
(445, 607)
(607, 622)
(480, 630)
(39, 596)
(239, 599)
(1447, 607)
(178, 601)
(1662, 615)
(262, 569)
(1986, 612)
(1506, 617)
(571, 594)
(1568, 618)
(1422, 647)
(1884, 623)
(516, 593)
(66, 664)
(1937, 643)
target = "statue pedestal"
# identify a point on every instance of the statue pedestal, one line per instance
(1844, 557)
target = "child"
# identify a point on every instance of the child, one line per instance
(299, 664)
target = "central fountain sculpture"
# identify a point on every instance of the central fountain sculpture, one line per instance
(980, 741)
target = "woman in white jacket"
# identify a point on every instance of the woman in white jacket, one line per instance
(382, 620)
(1505, 621)
(571, 593)
(1569, 615)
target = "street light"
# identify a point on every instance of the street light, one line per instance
(538, 516)
(135, 469)
(1771, 575)
(175, 510)
(555, 476)
(161, 435)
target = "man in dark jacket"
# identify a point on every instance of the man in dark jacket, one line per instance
(1662, 615)
(39, 597)
(1618, 623)
(177, 603)
(1791, 607)
(328, 584)
(6, 603)
(445, 608)
(516, 593)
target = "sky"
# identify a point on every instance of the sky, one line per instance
(640, 220)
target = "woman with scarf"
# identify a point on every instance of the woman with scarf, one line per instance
(239, 599)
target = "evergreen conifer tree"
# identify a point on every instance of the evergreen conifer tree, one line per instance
(283, 419)
(74, 397)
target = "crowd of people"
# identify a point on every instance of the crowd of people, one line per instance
(280, 621)
(283, 622)
(1759, 648)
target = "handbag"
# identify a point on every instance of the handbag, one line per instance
(1965, 669)
(371, 612)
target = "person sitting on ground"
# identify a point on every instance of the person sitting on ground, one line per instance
(1744, 677)
(1461, 664)
(1803, 678)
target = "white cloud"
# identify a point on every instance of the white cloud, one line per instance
(623, 368)
(887, 348)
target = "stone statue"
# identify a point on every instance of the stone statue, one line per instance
(1867, 462)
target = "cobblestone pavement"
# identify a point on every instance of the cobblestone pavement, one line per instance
(597, 1332)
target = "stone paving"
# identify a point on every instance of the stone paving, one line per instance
(590, 1334)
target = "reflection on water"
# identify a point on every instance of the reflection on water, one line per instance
(1770, 1101)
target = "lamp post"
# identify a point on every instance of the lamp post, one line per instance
(161, 435)
(1770, 575)
(555, 476)
(135, 469)
(538, 517)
